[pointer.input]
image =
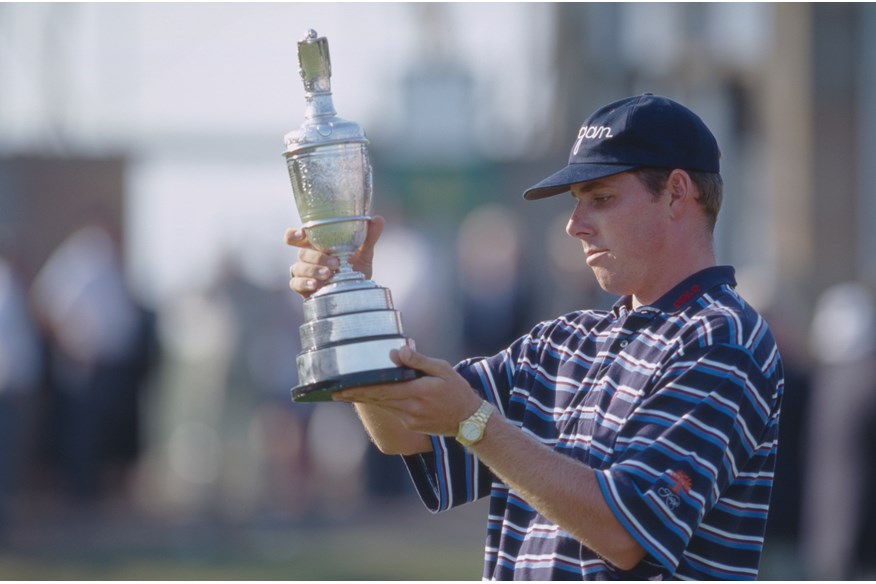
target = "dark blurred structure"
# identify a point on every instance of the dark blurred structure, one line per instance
(44, 199)
(63, 223)
(20, 375)
(838, 513)
(787, 512)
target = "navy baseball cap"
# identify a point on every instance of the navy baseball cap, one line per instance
(642, 131)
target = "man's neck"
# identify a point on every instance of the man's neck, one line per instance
(673, 278)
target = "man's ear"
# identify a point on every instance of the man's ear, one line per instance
(682, 192)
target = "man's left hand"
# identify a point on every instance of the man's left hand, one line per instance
(433, 404)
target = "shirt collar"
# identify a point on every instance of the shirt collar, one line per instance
(687, 291)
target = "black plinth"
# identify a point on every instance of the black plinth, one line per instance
(323, 390)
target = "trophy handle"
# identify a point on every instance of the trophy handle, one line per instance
(317, 222)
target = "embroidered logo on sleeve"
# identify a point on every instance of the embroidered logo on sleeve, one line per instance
(681, 482)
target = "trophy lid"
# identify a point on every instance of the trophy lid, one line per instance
(321, 124)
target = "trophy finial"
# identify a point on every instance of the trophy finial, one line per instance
(315, 63)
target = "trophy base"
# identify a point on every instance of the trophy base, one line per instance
(321, 391)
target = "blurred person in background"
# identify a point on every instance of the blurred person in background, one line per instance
(783, 536)
(101, 348)
(197, 334)
(20, 375)
(841, 444)
(637, 442)
(266, 467)
(492, 287)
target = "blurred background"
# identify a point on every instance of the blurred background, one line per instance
(148, 337)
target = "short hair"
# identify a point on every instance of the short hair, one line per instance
(709, 184)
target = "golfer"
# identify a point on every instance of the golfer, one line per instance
(633, 443)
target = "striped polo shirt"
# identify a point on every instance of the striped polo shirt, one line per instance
(676, 407)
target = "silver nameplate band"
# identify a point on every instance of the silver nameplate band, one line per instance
(321, 364)
(365, 300)
(336, 329)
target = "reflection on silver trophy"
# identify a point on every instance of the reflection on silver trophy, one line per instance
(351, 324)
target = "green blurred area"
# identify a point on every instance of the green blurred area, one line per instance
(384, 542)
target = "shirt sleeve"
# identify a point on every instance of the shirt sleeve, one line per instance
(709, 422)
(450, 475)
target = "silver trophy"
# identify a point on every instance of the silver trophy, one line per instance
(350, 324)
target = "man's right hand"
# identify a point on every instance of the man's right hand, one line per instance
(314, 268)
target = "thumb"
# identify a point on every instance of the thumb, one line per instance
(408, 357)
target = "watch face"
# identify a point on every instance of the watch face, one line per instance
(470, 431)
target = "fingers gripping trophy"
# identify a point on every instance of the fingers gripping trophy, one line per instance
(350, 324)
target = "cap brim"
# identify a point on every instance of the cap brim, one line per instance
(562, 180)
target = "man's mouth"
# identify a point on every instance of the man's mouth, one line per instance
(593, 254)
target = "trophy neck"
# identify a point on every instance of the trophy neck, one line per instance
(319, 105)
(347, 276)
(345, 272)
(337, 286)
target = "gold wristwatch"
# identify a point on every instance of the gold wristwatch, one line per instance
(471, 429)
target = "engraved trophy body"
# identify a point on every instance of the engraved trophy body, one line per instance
(350, 324)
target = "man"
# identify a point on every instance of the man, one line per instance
(632, 443)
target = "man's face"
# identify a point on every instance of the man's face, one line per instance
(623, 230)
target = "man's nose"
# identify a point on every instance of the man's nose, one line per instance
(570, 226)
(578, 224)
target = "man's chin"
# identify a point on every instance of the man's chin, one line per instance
(611, 283)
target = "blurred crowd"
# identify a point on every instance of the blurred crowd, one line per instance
(183, 410)
(76, 350)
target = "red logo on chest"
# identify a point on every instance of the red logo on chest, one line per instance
(682, 481)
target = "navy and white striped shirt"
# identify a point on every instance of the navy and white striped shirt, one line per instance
(675, 405)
